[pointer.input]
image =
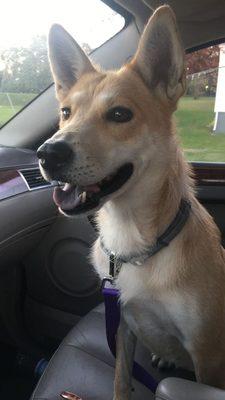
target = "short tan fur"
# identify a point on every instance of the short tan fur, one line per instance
(183, 286)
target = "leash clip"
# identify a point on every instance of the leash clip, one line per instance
(106, 279)
(114, 265)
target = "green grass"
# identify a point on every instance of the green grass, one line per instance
(19, 100)
(6, 113)
(194, 126)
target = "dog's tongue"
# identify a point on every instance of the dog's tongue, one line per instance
(69, 197)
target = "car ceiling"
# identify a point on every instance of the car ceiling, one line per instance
(200, 21)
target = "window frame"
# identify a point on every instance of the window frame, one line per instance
(209, 173)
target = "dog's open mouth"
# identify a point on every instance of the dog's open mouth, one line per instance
(74, 199)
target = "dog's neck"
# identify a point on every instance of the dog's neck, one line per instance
(133, 221)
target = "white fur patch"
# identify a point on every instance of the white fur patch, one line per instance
(120, 233)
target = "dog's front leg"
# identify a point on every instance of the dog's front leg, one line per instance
(210, 368)
(125, 348)
(208, 355)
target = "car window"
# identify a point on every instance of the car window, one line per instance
(201, 112)
(24, 68)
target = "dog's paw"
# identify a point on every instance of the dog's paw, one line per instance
(161, 363)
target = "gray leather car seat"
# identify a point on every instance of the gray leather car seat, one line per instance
(84, 365)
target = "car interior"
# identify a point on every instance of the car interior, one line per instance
(52, 335)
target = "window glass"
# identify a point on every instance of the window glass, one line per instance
(201, 112)
(24, 68)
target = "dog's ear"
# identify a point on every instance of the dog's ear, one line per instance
(67, 60)
(160, 56)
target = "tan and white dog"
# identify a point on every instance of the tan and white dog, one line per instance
(117, 150)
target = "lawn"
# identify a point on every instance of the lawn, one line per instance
(6, 113)
(19, 100)
(194, 126)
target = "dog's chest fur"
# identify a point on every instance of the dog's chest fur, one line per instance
(161, 320)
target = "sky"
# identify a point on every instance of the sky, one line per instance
(89, 21)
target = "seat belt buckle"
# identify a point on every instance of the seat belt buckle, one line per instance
(108, 287)
(69, 396)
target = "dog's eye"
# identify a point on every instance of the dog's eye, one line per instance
(66, 111)
(119, 114)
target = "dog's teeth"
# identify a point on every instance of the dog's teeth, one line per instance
(83, 197)
(67, 186)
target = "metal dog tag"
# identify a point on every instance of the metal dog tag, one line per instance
(69, 396)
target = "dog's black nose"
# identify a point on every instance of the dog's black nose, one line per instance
(54, 155)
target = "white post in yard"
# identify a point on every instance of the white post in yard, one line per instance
(10, 102)
(219, 108)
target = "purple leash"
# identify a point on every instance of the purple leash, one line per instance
(112, 320)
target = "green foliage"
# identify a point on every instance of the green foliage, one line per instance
(26, 68)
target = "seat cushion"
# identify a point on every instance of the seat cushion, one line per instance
(84, 365)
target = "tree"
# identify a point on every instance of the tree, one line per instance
(202, 60)
(26, 69)
(202, 70)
